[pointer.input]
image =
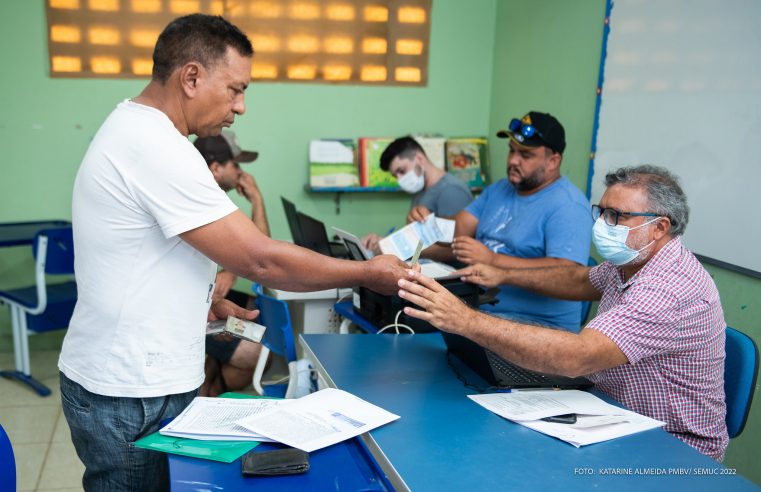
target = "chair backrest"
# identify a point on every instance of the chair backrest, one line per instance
(740, 373)
(275, 316)
(586, 306)
(7, 462)
(57, 248)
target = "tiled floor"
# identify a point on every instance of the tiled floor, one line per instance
(45, 457)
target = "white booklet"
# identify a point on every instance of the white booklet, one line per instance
(213, 419)
(402, 243)
(596, 420)
(318, 420)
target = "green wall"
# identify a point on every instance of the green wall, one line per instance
(546, 57)
(490, 61)
(48, 123)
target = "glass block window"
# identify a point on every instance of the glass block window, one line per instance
(329, 41)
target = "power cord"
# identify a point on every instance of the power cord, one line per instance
(396, 325)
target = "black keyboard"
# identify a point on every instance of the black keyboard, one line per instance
(511, 372)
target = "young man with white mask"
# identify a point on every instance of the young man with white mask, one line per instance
(656, 344)
(433, 190)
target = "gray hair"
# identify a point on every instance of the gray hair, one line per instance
(664, 194)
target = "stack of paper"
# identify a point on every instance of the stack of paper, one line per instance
(214, 419)
(596, 421)
(309, 423)
(319, 420)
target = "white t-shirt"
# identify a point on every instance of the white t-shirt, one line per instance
(143, 293)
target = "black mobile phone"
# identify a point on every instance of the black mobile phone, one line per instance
(568, 418)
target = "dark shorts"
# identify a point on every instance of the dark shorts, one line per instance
(222, 350)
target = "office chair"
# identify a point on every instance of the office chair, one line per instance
(42, 307)
(740, 372)
(278, 339)
(586, 306)
(7, 462)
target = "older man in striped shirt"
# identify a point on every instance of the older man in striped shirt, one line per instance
(657, 342)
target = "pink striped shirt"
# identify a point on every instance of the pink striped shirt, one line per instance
(668, 321)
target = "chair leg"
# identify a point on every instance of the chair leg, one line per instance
(261, 364)
(18, 357)
(23, 372)
(26, 366)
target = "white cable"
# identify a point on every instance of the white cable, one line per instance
(396, 325)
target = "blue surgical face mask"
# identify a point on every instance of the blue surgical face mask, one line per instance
(610, 241)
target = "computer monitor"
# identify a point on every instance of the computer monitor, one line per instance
(293, 221)
(313, 235)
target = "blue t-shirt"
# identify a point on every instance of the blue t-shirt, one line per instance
(555, 222)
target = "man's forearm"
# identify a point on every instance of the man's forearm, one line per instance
(438, 252)
(544, 349)
(259, 216)
(561, 282)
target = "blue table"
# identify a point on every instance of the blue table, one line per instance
(21, 233)
(444, 441)
(344, 466)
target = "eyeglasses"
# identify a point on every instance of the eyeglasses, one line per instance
(525, 129)
(611, 215)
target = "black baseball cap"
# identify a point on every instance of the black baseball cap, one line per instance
(222, 148)
(536, 130)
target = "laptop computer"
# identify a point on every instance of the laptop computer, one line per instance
(293, 221)
(309, 232)
(504, 374)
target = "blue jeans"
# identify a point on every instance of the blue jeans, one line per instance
(104, 430)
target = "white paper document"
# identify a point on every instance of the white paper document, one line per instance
(596, 420)
(402, 243)
(213, 419)
(318, 420)
(535, 405)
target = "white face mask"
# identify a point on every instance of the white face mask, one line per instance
(610, 241)
(412, 182)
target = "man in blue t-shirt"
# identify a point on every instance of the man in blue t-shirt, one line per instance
(533, 218)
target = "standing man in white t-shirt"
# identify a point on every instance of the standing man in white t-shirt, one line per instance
(150, 223)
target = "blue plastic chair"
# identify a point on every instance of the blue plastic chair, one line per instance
(586, 306)
(278, 339)
(7, 462)
(740, 373)
(42, 307)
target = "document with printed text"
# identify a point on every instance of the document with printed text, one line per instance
(318, 420)
(213, 419)
(596, 420)
(402, 243)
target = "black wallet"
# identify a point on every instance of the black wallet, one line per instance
(277, 462)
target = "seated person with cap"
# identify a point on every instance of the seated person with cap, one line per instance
(433, 190)
(230, 362)
(534, 218)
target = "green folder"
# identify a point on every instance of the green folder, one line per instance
(224, 451)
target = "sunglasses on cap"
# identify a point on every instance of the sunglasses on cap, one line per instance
(525, 129)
